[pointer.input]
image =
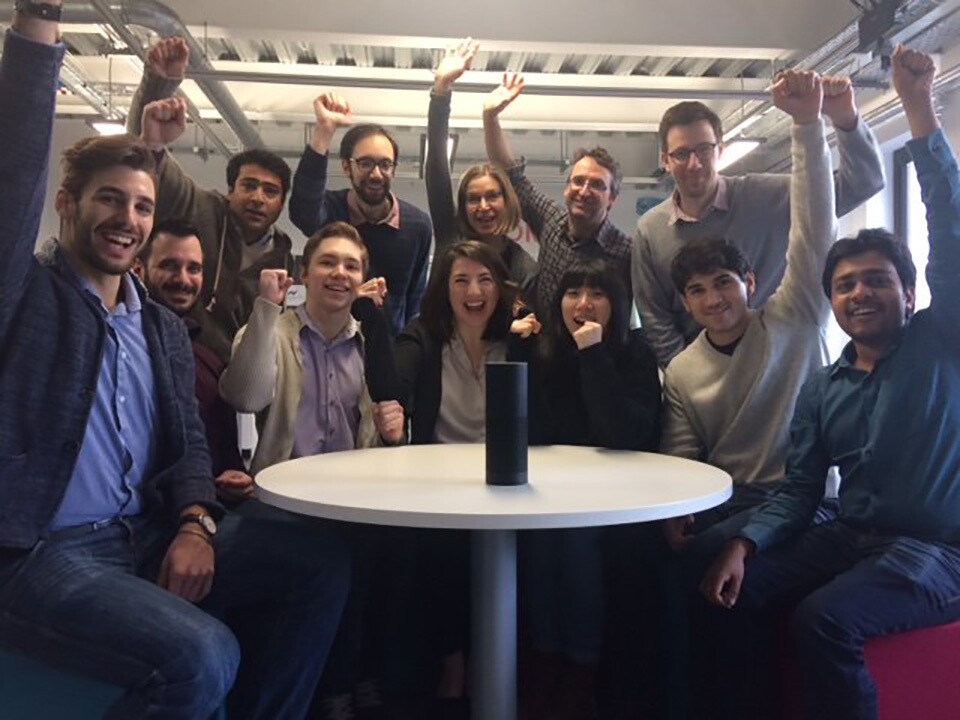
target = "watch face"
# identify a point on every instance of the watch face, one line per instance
(208, 524)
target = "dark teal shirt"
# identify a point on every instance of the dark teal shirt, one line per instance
(894, 432)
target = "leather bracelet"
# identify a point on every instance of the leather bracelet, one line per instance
(41, 10)
(202, 535)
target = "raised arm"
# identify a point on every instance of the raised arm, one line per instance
(939, 180)
(813, 223)
(249, 382)
(443, 212)
(164, 70)
(308, 197)
(498, 150)
(28, 81)
(860, 173)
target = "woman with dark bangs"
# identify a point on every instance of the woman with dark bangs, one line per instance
(464, 321)
(487, 208)
(592, 381)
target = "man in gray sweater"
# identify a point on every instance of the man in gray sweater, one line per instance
(752, 211)
(730, 394)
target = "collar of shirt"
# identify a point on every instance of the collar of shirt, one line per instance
(847, 361)
(720, 202)
(265, 240)
(352, 329)
(130, 303)
(357, 218)
(608, 237)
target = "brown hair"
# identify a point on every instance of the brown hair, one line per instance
(436, 315)
(93, 154)
(605, 160)
(338, 230)
(511, 203)
(687, 113)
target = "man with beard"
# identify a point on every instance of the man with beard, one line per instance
(112, 564)
(237, 231)
(172, 269)
(397, 234)
(578, 232)
(751, 211)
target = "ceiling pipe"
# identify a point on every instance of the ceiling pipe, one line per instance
(166, 23)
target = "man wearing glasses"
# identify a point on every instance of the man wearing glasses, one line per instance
(582, 229)
(397, 234)
(751, 211)
(237, 231)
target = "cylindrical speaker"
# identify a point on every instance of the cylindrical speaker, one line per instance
(506, 423)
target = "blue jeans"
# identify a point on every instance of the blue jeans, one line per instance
(855, 584)
(87, 603)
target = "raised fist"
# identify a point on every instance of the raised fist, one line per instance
(163, 122)
(169, 58)
(274, 285)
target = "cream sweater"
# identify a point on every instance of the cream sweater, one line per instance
(265, 376)
(734, 411)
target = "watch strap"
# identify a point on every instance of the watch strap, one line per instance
(42, 10)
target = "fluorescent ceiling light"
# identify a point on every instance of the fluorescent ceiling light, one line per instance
(741, 126)
(736, 151)
(108, 127)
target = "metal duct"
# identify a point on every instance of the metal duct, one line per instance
(165, 22)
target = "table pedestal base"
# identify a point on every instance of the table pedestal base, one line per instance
(493, 693)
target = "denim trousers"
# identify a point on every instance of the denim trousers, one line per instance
(86, 602)
(853, 584)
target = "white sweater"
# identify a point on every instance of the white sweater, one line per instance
(734, 411)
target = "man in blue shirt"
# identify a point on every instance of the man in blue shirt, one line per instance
(112, 564)
(887, 413)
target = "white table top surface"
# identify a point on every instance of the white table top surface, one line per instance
(442, 486)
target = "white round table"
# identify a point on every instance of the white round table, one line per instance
(443, 486)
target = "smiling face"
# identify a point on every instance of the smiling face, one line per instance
(104, 229)
(719, 302)
(373, 185)
(486, 206)
(589, 192)
(333, 274)
(473, 294)
(869, 300)
(691, 158)
(256, 198)
(582, 304)
(174, 271)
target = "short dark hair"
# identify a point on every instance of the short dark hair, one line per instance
(177, 227)
(510, 201)
(336, 229)
(871, 240)
(362, 132)
(593, 273)
(704, 256)
(605, 160)
(687, 113)
(436, 315)
(271, 162)
(93, 154)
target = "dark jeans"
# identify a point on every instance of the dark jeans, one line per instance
(87, 603)
(704, 635)
(855, 584)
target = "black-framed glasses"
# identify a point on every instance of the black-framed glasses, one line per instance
(367, 164)
(703, 151)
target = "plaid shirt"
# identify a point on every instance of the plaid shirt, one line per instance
(558, 250)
